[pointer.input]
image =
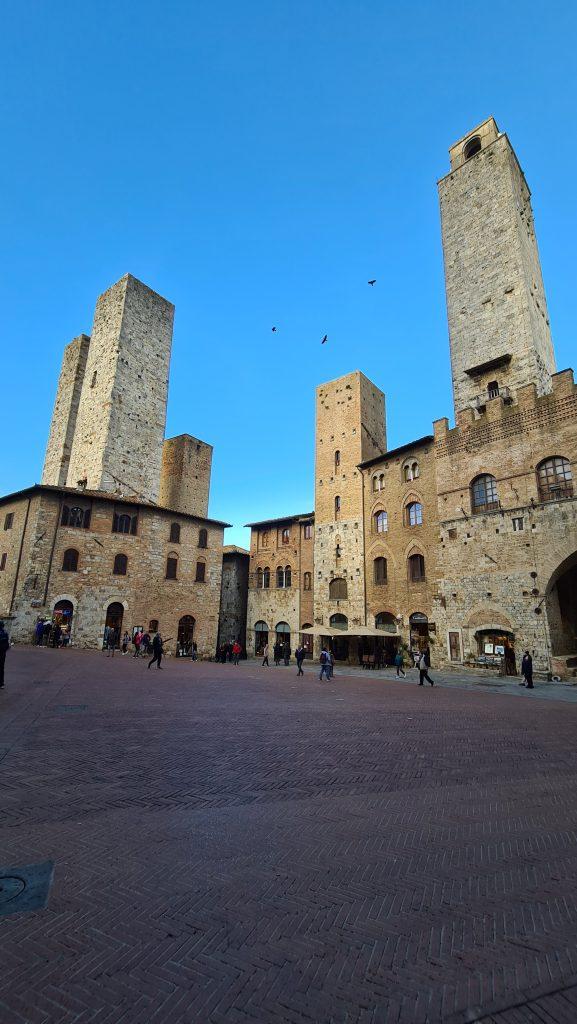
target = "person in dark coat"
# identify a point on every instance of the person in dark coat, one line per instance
(157, 651)
(300, 656)
(277, 653)
(424, 669)
(286, 652)
(527, 670)
(56, 634)
(4, 647)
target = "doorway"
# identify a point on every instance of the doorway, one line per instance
(114, 616)
(62, 616)
(185, 636)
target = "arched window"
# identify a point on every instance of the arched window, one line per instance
(381, 521)
(124, 522)
(153, 626)
(200, 575)
(337, 459)
(375, 483)
(484, 496)
(386, 621)
(171, 567)
(75, 516)
(554, 479)
(288, 576)
(307, 581)
(174, 537)
(380, 571)
(260, 636)
(338, 590)
(381, 481)
(264, 539)
(70, 560)
(259, 578)
(471, 147)
(411, 470)
(280, 577)
(416, 568)
(285, 535)
(414, 514)
(266, 577)
(337, 506)
(338, 621)
(120, 565)
(202, 538)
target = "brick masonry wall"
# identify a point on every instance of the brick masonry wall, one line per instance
(293, 604)
(65, 412)
(185, 475)
(144, 592)
(121, 418)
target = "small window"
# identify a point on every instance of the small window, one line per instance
(517, 523)
(380, 571)
(3, 561)
(8, 520)
(120, 565)
(75, 516)
(285, 535)
(153, 626)
(338, 551)
(381, 521)
(484, 495)
(337, 459)
(70, 560)
(288, 576)
(493, 389)
(93, 381)
(266, 578)
(416, 568)
(414, 514)
(471, 147)
(338, 590)
(411, 470)
(124, 522)
(264, 539)
(307, 581)
(308, 531)
(375, 483)
(337, 506)
(171, 567)
(203, 538)
(280, 577)
(554, 479)
(259, 579)
(174, 536)
(200, 572)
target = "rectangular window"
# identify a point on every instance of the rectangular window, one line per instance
(285, 536)
(454, 647)
(3, 561)
(518, 524)
(8, 520)
(308, 531)
(200, 572)
(171, 564)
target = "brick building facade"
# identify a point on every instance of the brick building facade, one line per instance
(465, 540)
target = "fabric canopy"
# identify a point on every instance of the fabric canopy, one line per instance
(354, 631)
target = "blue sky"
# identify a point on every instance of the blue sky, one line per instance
(256, 163)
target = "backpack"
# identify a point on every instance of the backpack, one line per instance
(324, 657)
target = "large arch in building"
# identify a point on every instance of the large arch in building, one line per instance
(561, 602)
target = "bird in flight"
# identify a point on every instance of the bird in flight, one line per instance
(273, 329)
(374, 281)
(324, 339)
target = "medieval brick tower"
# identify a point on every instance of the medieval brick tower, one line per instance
(498, 320)
(350, 427)
(107, 428)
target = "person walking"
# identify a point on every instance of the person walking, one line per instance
(236, 652)
(286, 652)
(424, 670)
(265, 655)
(111, 642)
(157, 651)
(527, 670)
(399, 663)
(137, 640)
(276, 653)
(194, 650)
(56, 634)
(300, 657)
(331, 664)
(4, 648)
(325, 665)
(125, 642)
(39, 632)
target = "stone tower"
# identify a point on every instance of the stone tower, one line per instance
(498, 320)
(63, 423)
(185, 475)
(119, 431)
(350, 427)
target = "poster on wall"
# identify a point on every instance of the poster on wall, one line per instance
(499, 649)
(489, 648)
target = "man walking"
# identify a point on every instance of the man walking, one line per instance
(4, 647)
(424, 670)
(265, 655)
(300, 657)
(276, 652)
(156, 651)
(527, 670)
(286, 652)
(236, 652)
(325, 665)
(399, 663)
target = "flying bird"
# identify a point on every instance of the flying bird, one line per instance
(273, 329)
(374, 281)
(324, 339)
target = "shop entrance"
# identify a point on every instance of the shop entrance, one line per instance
(418, 631)
(62, 616)
(260, 637)
(339, 644)
(114, 616)
(495, 646)
(185, 635)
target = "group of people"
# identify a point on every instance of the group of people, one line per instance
(143, 644)
(230, 651)
(282, 652)
(51, 634)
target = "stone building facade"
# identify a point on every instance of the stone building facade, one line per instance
(117, 534)
(233, 595)
(464, 540)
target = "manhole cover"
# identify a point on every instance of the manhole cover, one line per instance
(10, 887)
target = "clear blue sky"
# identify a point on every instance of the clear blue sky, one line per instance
(256, 163)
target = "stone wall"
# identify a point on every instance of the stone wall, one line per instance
(185, 475)
(274, 604)
(233, 595)
(65, 412)
(119, 431)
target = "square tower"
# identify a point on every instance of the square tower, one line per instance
(63, 424)
(185, 475)
(119, 431)
(350, 428)
(498, 321)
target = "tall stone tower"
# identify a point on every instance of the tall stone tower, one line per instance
(185, 476)
(350, 427)
(119, 430)
(498, 320)
(65, 413)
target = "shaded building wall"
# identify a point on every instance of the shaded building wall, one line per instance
(63, 424)
(185, 475)
(233, 597)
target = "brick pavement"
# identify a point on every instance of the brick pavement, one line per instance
(236, 845)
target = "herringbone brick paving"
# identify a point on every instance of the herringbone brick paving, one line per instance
(235, 845)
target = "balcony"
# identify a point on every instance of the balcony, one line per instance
(480, 401)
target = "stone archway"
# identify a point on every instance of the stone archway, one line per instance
(561, 603)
